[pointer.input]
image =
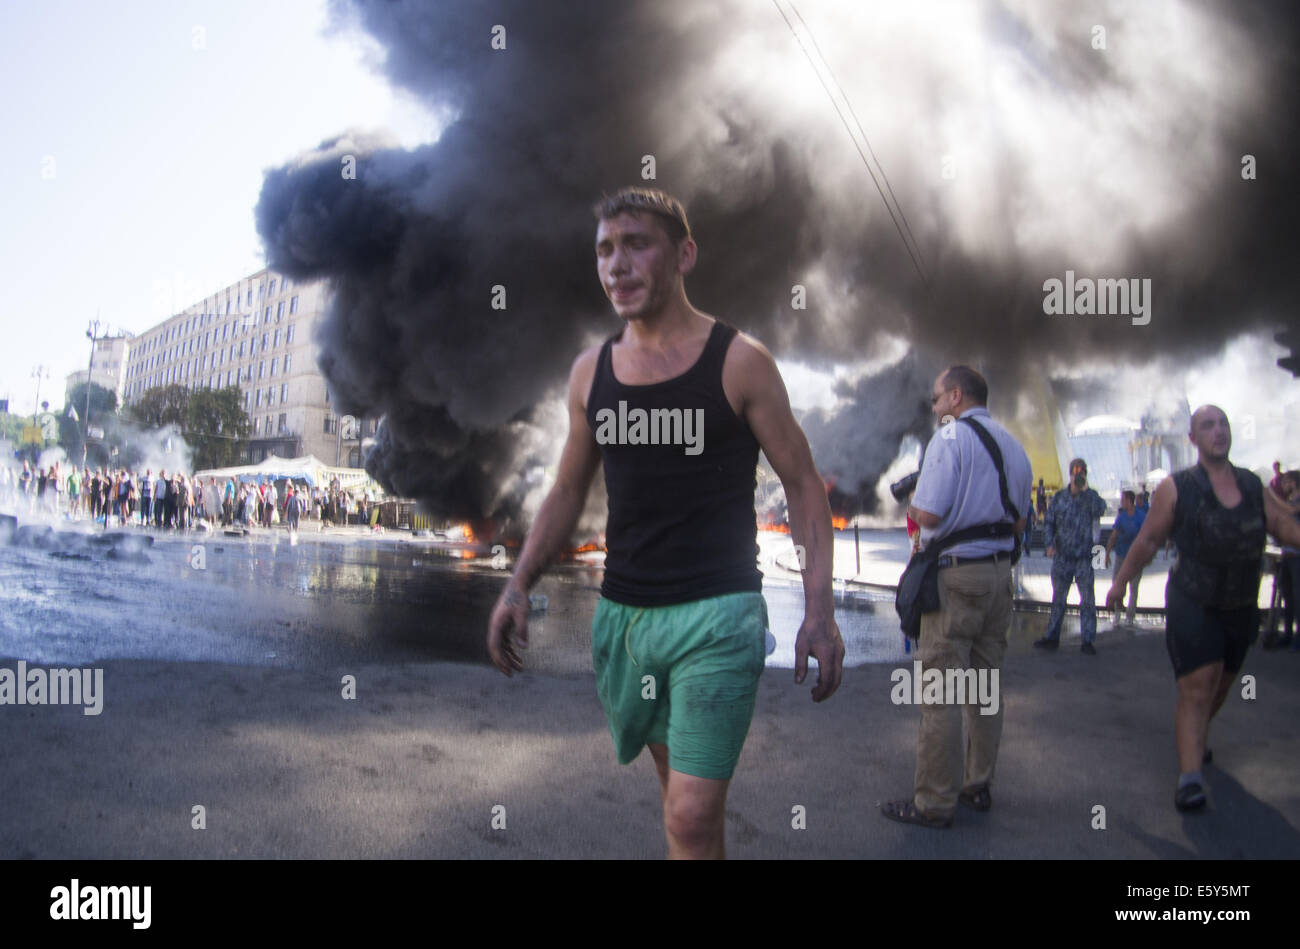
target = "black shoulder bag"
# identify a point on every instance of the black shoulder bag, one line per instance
(918, 587)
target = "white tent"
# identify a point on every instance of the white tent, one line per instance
(307, 468)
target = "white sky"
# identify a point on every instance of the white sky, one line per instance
(160, 118)
(136, 135)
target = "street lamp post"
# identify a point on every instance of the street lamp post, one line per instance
(38, 373)
(92, 333)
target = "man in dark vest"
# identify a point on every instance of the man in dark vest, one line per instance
(677, 405)
(1218, 515)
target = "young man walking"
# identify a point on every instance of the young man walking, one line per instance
(677, 405)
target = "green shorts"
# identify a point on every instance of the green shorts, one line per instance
(684, 676)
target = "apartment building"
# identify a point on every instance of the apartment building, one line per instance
(255, 334)
(108, 365)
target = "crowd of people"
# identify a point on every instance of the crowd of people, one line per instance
(175, 501)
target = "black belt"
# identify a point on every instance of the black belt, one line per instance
(950, 561)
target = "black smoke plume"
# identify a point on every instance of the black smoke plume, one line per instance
(417, 243)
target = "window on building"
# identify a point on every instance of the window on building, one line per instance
(227, 306)
(250, 297)
(270, 289)
(266, 338)
(279, 310)
(261, 369)
(247, 395)
(275, 340)
(288, 334)
(288, 357)
(241, 350)
(252, 346)
(293, 305)
(267, 317)
(329, 429)
(258, 401)
(274, 364)
(283, 423)
(255, 425)
(284, 392)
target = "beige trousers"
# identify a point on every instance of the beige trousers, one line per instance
(969, 632)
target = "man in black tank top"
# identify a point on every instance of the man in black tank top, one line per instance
(677, 405)
(1218, 515)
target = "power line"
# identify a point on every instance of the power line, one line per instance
(812, 36)
(907, 245)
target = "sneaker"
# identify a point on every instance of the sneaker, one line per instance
(1047, 642)
(1088, 649)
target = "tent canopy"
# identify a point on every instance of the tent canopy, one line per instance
(307, 468)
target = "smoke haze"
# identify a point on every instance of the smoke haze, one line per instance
(1016, 147)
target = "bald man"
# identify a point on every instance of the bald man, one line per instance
(1218, 515)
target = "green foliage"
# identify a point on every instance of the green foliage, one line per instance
(216, 421)
(101, 400)
(212, 421)
(162, 405)
(103, 415)
(11, 426)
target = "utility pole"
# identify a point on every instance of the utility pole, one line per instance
(38, 372)
(92, 333)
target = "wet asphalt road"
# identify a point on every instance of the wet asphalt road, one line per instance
(222, 688)
(72, 596)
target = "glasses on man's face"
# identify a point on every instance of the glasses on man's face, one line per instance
(934, 399)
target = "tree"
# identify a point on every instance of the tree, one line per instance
(103, 415)
(11, 426)
(162, 405)
(215, 422)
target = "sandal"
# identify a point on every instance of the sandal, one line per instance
(1189, 797)
(905, 812)
(980, 799)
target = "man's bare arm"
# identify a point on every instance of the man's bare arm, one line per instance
(1150, 539)
(1281, 520)
(554, 524)
(752, 371)
(926, 519)
(559, 513)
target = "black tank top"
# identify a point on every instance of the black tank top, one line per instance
(680, 472)
(1220, 550)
